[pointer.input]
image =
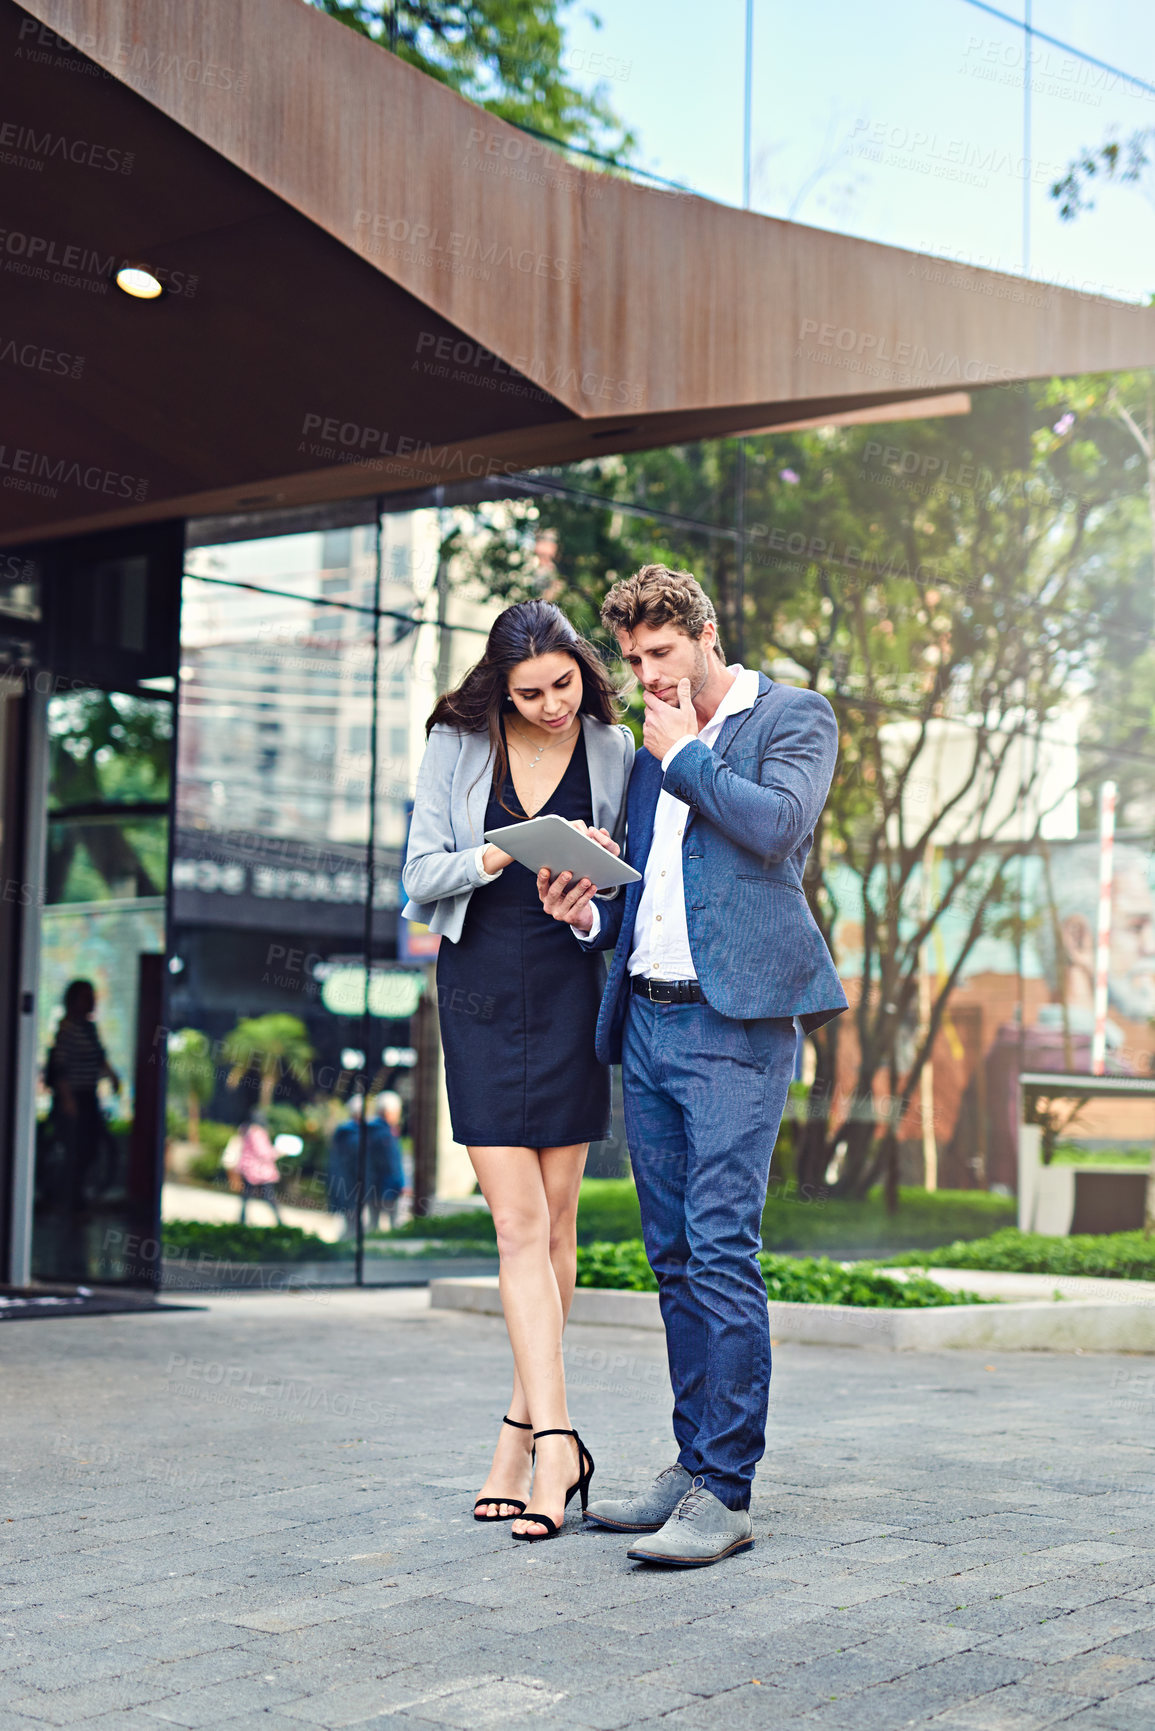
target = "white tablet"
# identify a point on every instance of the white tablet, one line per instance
(555, 844)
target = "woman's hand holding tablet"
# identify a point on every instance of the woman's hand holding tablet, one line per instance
(551, 844)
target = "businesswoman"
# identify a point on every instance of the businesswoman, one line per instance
(529, 731)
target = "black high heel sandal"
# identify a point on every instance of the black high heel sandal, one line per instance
(585, 1474)
(514, 1502)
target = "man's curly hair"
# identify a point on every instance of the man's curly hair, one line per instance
(658, 595)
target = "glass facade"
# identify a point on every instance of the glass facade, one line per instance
(941, 130)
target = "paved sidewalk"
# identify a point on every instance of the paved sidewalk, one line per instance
(258, 1515)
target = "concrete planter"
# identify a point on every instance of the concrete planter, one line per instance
(1036, 1325)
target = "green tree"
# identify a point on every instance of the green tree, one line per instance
(191, 1076)
(1116, 413)
(505, 55)
(273, 1046)
(942, 575)
(107, 748)
(1126, 162)
(978, 572)
(497, 548)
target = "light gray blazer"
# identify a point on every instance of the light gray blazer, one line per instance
(453, 787)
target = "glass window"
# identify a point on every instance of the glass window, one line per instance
(101, 970)
(269, 1008)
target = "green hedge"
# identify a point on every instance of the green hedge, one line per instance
(1119, 1255)
(623, 1267)
(472, 1225)
(230, 1242)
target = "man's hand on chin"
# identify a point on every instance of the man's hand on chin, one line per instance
(665, 725)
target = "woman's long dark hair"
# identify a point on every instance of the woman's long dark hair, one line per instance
(522, 632)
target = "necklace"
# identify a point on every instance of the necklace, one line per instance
(542, 749)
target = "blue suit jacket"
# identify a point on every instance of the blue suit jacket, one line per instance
(754, 798)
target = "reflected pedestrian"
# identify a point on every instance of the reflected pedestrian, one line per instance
(385, 1174)
(344, 1152)
(257, 1166)
(76, 1064)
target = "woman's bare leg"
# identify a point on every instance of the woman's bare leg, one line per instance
(514, 1185)
(561, 1172)
(511, 1469)
(561, 1175)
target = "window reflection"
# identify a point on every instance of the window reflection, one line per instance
(270, 880)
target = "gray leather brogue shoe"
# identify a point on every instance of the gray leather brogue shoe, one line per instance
(701, 1530)
(644, 1513)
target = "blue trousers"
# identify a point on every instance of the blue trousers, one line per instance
(704, 1096)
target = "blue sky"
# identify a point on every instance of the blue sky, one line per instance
(900, 121)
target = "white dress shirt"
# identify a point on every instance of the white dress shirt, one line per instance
(661, 941)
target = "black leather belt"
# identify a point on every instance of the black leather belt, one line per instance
(667, 991)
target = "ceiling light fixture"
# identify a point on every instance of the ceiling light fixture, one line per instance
(135, 280)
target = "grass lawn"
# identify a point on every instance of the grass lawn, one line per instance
(608, 1213)
(924, 1219)
(1114, 1255)
(609, 1210)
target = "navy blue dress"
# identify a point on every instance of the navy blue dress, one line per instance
(518, 1002)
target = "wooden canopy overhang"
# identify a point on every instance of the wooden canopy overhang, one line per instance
(372, 285)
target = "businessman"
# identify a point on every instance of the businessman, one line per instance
(715, 953)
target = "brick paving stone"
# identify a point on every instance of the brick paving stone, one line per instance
(1138, 1643)
(1111, 1716)
(750, 1707)
(187, 1638)
(980, 1566)
(99, 1695)
(703, 1677)
(1073, 1632)
(201, 1669)
(1017, 1707)
(199, 1706)
(353, 1703)
(628, 1705)
(921, 1693)
(265, 1721)
(1097, 1675)
(134, 1719)
(987, 1621)
(1069, 1595)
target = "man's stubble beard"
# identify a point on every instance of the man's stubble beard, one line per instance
(701, 673)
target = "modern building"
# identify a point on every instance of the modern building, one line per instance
(223, 613)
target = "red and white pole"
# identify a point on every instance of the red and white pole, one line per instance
(1103, 946)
